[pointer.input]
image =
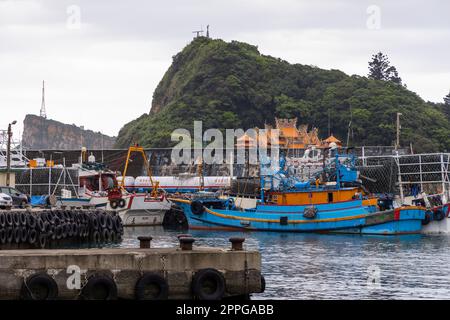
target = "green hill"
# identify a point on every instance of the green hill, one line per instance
(231, 85)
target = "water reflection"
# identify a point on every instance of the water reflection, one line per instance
(313, 266)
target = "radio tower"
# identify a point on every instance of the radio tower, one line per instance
(43, 114)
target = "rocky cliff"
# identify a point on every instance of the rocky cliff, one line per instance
(41, 133)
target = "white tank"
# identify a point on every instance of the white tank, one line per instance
(217, 182)
(142, 182)
(128, 183)
(183, 182)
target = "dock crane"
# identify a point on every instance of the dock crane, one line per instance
(140, 150)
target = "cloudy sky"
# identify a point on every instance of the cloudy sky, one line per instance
(102, 59)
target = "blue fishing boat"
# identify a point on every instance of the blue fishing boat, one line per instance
(320, 205)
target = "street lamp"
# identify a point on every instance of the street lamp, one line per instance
(8, 152)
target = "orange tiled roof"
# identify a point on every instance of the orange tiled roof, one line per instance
(289, 132)
(331, 139)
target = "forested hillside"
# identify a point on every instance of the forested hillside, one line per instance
(231, 85)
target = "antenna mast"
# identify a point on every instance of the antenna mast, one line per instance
(397, 144)
(43, 113)
(199, 33)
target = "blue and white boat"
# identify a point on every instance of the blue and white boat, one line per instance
(289, 205)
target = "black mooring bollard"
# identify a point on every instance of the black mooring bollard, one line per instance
(186, 235)
(237, 244)
(186, 243)
(144, 242)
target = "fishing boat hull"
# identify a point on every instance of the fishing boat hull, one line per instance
(144, 211)
(139, 209)
(345, 217)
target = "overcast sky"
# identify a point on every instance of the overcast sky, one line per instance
(102, 59)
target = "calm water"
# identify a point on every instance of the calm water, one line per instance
(310, 266)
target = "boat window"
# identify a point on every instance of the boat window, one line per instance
(108, 182)
(91, 183)
(330, 197)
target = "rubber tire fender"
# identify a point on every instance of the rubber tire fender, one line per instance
(40, 224)
(32, 236)
(9, 234)
(102, 282)
(42, 240)
(93, 222)
(122, 203)
(17, 234)
(96, 237)
(151, 279)
(39, 280)
(23, 218)
(208, 274)
(24, 235)
(2, 236)
(2, 220)
(263, 284)
(9, 219)
(59, 232)
(117, 223)
(114, 204)
(16, 219)
(438, 215)
(197, 207)
(102, 220)
(109, 222)
(105, 235)
(31, 221)
(427, 219)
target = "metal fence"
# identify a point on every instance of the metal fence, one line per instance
(407, 175)
(47, 181)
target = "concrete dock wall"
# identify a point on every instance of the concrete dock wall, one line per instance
(240, 269)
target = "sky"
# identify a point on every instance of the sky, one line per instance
(101, 60)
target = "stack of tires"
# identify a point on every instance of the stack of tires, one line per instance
(50, 228)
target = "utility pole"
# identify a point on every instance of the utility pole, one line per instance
(329, 123)
(397, 144)
(8, 153)
(43, 113)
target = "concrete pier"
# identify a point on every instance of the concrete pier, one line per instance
(182, 274)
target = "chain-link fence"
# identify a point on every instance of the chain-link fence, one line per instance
(406, 174)
(47, 181)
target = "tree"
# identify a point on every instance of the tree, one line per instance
(287, 107)
(447, 99)
(380, 69)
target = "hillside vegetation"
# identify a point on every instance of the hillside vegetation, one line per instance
(231, 85)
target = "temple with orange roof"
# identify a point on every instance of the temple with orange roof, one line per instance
(292, 137)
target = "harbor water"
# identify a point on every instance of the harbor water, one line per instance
(317, 266)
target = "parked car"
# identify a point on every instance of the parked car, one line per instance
(19, 199)
(6, 201)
